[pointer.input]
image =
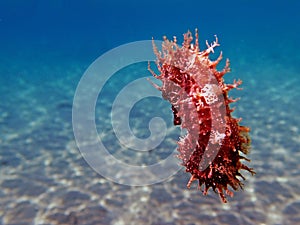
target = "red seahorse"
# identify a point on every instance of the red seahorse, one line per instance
(210, 149)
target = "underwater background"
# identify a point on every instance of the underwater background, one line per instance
(45, 48)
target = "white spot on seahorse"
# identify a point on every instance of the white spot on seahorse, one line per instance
(210, 93)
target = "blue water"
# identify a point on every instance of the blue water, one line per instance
(45, 48)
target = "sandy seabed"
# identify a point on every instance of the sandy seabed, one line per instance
(45, 180)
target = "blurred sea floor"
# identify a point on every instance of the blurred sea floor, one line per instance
(45, 180)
